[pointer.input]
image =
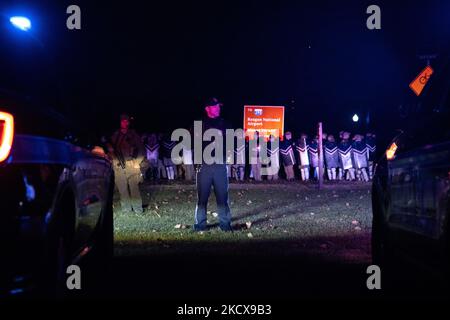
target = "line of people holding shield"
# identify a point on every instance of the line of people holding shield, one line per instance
(351, 158)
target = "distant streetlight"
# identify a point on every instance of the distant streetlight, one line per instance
(355, 118)
(22, 23)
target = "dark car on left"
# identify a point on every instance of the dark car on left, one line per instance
(56, 185)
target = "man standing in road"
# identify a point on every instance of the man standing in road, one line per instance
(213, 175)
(128, 153)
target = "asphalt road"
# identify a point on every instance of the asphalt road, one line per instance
(224, 278)
(235, 277)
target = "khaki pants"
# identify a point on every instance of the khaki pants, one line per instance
(127, 181)
(272, 177)
(188, 172)
(289, 170)
(256, 168)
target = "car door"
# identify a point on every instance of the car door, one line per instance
(403, 177)
(91, 173)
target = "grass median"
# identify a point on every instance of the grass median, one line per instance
(281, 218)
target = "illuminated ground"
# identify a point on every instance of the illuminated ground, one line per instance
(271, 219)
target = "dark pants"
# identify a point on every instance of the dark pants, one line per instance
(152, 173)
(212, 175)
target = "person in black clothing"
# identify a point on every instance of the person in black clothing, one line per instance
(255, 159)
(371, 151)
(213, 174)
(287, 156)
(331, 154)
(238, 167)
(345, 156)
(152, 156)
(166, 151)
(273, 152)
(313, 151)
(359, 156)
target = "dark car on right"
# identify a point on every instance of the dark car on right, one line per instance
(411, 186)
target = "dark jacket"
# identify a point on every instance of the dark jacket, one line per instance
(287, 152)
(167, 146)
(219, 124)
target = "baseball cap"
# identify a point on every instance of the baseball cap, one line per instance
(125, 116)
(212, 102)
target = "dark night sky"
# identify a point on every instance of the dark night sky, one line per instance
(159, 60)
